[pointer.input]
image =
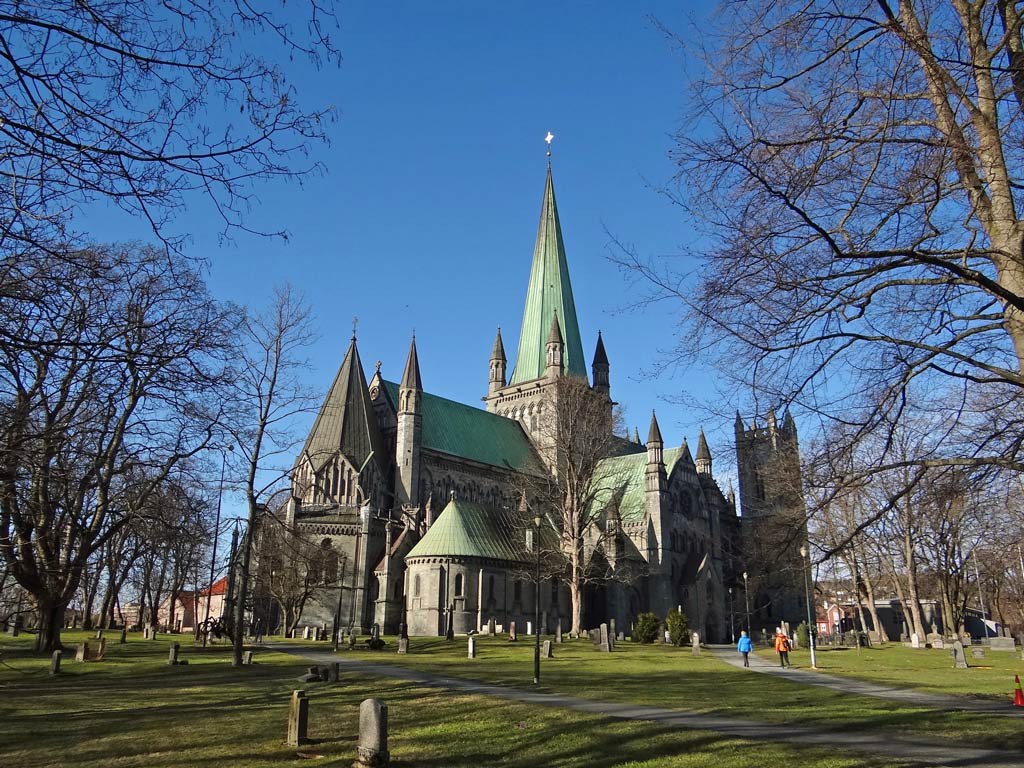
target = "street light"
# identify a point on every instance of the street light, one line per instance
(216, 534)
(536, 604)
(746, 599)
(805, 554)
(732, 616)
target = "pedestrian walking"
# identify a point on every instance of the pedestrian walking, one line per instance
(745, 646)
(782, 647)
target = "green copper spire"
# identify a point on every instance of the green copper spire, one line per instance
(549, 291)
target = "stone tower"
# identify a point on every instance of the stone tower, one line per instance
(410, 428)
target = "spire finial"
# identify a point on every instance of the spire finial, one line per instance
(548, 139)
(355, 325)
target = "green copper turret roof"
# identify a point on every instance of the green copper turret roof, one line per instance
(346, 421)
(549, 291)
(465, 529)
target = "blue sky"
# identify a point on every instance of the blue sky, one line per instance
(427, 214)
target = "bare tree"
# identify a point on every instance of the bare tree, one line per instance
(269, 393)
(857, 165)
(146, 106)
(108, 380)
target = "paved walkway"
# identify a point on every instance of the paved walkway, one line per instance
(728, 654)
(877, 744)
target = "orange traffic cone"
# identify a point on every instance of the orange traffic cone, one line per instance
(1018, 695)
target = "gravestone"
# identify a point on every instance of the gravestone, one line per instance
(695, 644)
(247, 659)
(512, 636)
(939, 643)
(604, 644)
(915, 641)
(375, 632)
(172, 654)
(124, 635)
(977, 652)
(546, 651)
(1003, 644)
(959, 659)
(471, 652)
(403, 630)
(298, 719)
(352, 638)
(99, 634)
(82, 652)
(667, 639)
(491, 626)
(334, 672)
(611, 631)
(305, 633)
(55, 663)
(529, 628)
(312, 675)
(403, 645)
(558, 631)
(372, 750)
(100, 651)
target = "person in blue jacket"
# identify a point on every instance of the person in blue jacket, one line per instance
(745, 646)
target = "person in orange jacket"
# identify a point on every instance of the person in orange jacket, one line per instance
(782, 647)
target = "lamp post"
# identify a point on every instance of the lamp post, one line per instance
(216, 533)
(732, 624)
(805, 553)
(341, 593)
(536, 603)
(746, 599)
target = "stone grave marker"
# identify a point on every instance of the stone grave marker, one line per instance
(558, 631)
(312, 675)
(471, 651)
(695, 643)
(172, 654)
(372, 749)
(546, 650)
(82, 652)
(977, 652)
(529, 628)
(512, 636)
(403, 645)
(611, 630)
(247, 659)
(959, 659)
(100, 651)
(915, 641)
(55, 663)
(375, 632)
(1003, 644)
(939, 643)
(604, 644)
(334, 672)
(305, 633)
(491, 627)
(99, 634)
(667, 639)
(351, 638)
(298, 719)
(124, 635)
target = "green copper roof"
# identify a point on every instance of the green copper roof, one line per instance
(346, 421)
(465, 529)
(471, 433)
(549, 291)
(627, 475)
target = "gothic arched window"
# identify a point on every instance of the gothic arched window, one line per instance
(458, 585)
(416, 585)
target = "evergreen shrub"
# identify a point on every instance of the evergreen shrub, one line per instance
(677, 625)
(646, 628)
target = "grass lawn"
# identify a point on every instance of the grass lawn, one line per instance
(657, 675)
(133, 710)
(925, 669)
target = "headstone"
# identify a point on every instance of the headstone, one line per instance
(372, 750)
(305, 633)
(529, 628)
(959, 659)
(352, 638)
(403, 645)
(695, 643)
(512, 636)
(172, 654)
(375, 632)
(247, 659)
(1003, 644)
(124, 635)
(101, 651)
(667, 639)
(99, 633)
(490, 626)
(939, 643)
(312, 675)
(82, 652)
(546, 651)
(403, 630)
(558, 631)
(298, 719)
(334, 672)
(55, 663)
(611, 630)
(472, 647)
(915, 640)
(604, 644)
(977, 652)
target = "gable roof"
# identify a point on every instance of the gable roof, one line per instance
(626, 475)
(549, 292)
(466, 529)
(346, 421)
(472, 433)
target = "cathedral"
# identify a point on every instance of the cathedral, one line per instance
(411, 497)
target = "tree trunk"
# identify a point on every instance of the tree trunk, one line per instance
(243, 587)
(912, 596)
(51, 621)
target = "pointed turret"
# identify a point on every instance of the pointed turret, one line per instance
(703, 462)
(410, 428)
(549, 291)
(654, 433)
(344, 436)
(498, 362)
(554, 350)
(636, 435)
(684, 455)
(599, 368)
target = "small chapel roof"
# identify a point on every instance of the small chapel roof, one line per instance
(466, 529)
(625, 476)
